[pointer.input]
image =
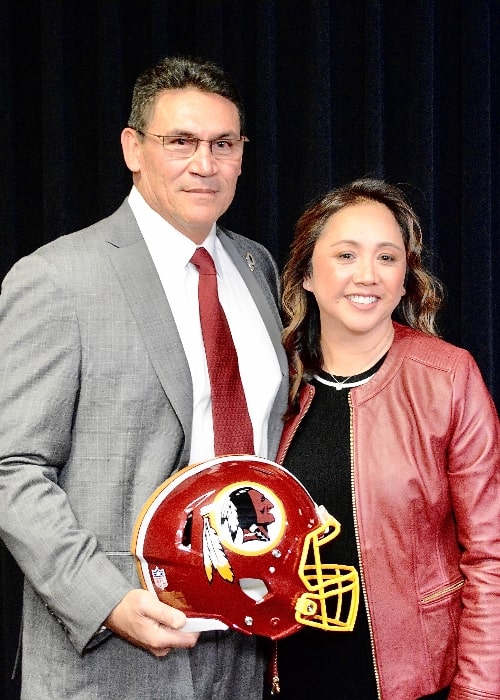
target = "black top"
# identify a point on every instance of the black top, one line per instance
(313, 663)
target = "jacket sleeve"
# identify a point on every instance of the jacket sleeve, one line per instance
(39, 382)
(474, 477)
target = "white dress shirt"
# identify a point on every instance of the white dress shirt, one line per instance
(259, 368)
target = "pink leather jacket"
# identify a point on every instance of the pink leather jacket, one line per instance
(425, 461)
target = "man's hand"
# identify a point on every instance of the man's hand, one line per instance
(143, 620)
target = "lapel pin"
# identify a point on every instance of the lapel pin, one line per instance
(250, 261)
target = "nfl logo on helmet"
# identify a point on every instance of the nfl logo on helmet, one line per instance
(159, 578)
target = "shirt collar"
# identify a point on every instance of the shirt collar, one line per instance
(161, 236)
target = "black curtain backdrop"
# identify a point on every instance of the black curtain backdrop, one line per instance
(407, 90)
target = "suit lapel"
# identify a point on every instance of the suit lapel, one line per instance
(249, 275)
(143, 290)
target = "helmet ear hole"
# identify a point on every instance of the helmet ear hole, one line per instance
(254, 588)
(188, 528)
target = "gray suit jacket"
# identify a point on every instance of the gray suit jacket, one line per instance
(96, 411)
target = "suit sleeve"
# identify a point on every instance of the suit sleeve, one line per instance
(39, 384)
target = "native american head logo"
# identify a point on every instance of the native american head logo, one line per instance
(246, 518)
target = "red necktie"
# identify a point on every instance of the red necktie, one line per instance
(233, 432)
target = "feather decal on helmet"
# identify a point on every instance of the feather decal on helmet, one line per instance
(213, 553)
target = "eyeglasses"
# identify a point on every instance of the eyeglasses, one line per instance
(182, 146)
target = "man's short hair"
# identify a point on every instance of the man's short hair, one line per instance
(178, 72)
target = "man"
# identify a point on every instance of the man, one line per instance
(105, 392)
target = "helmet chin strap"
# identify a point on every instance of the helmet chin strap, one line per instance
(203, 624)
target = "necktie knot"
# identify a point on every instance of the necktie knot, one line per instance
(204, 262)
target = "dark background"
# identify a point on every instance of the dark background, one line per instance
(406, 90)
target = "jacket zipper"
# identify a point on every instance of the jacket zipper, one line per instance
(281, 456)
(358, 546)
(442, 592)
(272, 667)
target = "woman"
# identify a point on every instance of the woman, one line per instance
(394, 432)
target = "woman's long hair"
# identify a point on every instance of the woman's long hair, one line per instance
(417, 308)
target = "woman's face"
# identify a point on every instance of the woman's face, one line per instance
(358, 270)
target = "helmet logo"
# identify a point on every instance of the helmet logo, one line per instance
(213, 553)
(159, 578)
(245, 517)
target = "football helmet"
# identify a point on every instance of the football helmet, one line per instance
(235, 542)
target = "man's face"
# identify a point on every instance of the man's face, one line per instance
(190, 193)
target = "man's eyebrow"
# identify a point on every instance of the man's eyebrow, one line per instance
(180, 132)
(189, 134)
